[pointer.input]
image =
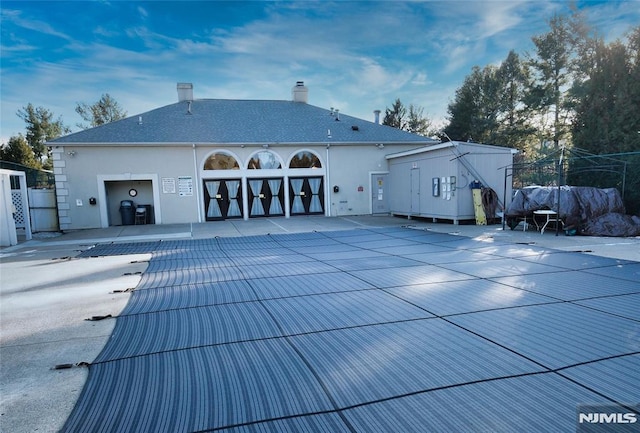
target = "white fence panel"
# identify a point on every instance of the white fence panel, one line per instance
(42, 207)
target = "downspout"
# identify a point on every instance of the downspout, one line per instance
(327, 187)
(197, 183)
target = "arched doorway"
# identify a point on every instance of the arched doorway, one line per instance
(306, 186)
(222, 187)
(265, 178)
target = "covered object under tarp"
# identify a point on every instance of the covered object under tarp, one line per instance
(590, 211)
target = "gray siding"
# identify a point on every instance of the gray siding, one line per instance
(464, 161)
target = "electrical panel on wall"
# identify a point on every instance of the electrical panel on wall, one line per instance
(447, 187)
(435, 187)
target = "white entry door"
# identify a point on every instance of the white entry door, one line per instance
(379, 194)
(415, 191)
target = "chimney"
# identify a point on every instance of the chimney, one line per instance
(300, 93)
(185, 92)
(376, 113)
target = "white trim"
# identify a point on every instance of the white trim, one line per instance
(244, 189)
(316, 154)
(327, 186)
(7, 226)
(223, 152)
(245, 165)
(422, 150)
(287, 197)
(102, 194)
(448, 144)
(371, 188)
(196, 185)
(245, 174)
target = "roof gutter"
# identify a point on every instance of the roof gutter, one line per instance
(422, 150)
(240, 144)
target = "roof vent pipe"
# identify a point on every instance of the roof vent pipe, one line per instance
(376, 114)
(185, 92)
(300, 93)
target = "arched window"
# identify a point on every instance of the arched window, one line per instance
(221, 161)
(264, 160)
(305, 159)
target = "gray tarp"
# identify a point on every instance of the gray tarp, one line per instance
(592, 211)
(613, 224)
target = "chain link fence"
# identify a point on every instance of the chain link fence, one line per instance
(35, 178)
(579, 168)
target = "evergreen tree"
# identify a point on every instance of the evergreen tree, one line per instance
(105, 110)
(396, 116)
(17, 150)
(41, 128)
(411, 120)
(474, 113)
(463, 111)
(417, 123)
(607, 119)
(551, 69)
(606, 110)
(515, 125)
(608, 98)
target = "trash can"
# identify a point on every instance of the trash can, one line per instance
(127, 212)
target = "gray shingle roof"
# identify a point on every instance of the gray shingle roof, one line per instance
(223, 121)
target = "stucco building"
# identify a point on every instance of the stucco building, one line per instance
(202, 160)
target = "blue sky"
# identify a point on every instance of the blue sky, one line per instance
(356, 56)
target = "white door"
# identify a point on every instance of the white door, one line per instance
(415, 191)
(379, 194)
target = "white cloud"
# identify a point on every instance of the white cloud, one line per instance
(369, 74)
(17, 19)
(496, 17)
(612, 19)
(460, 55)
(355, 56)
(143, 12)
(420, 79)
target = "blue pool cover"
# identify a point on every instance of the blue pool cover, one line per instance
(371, 330)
